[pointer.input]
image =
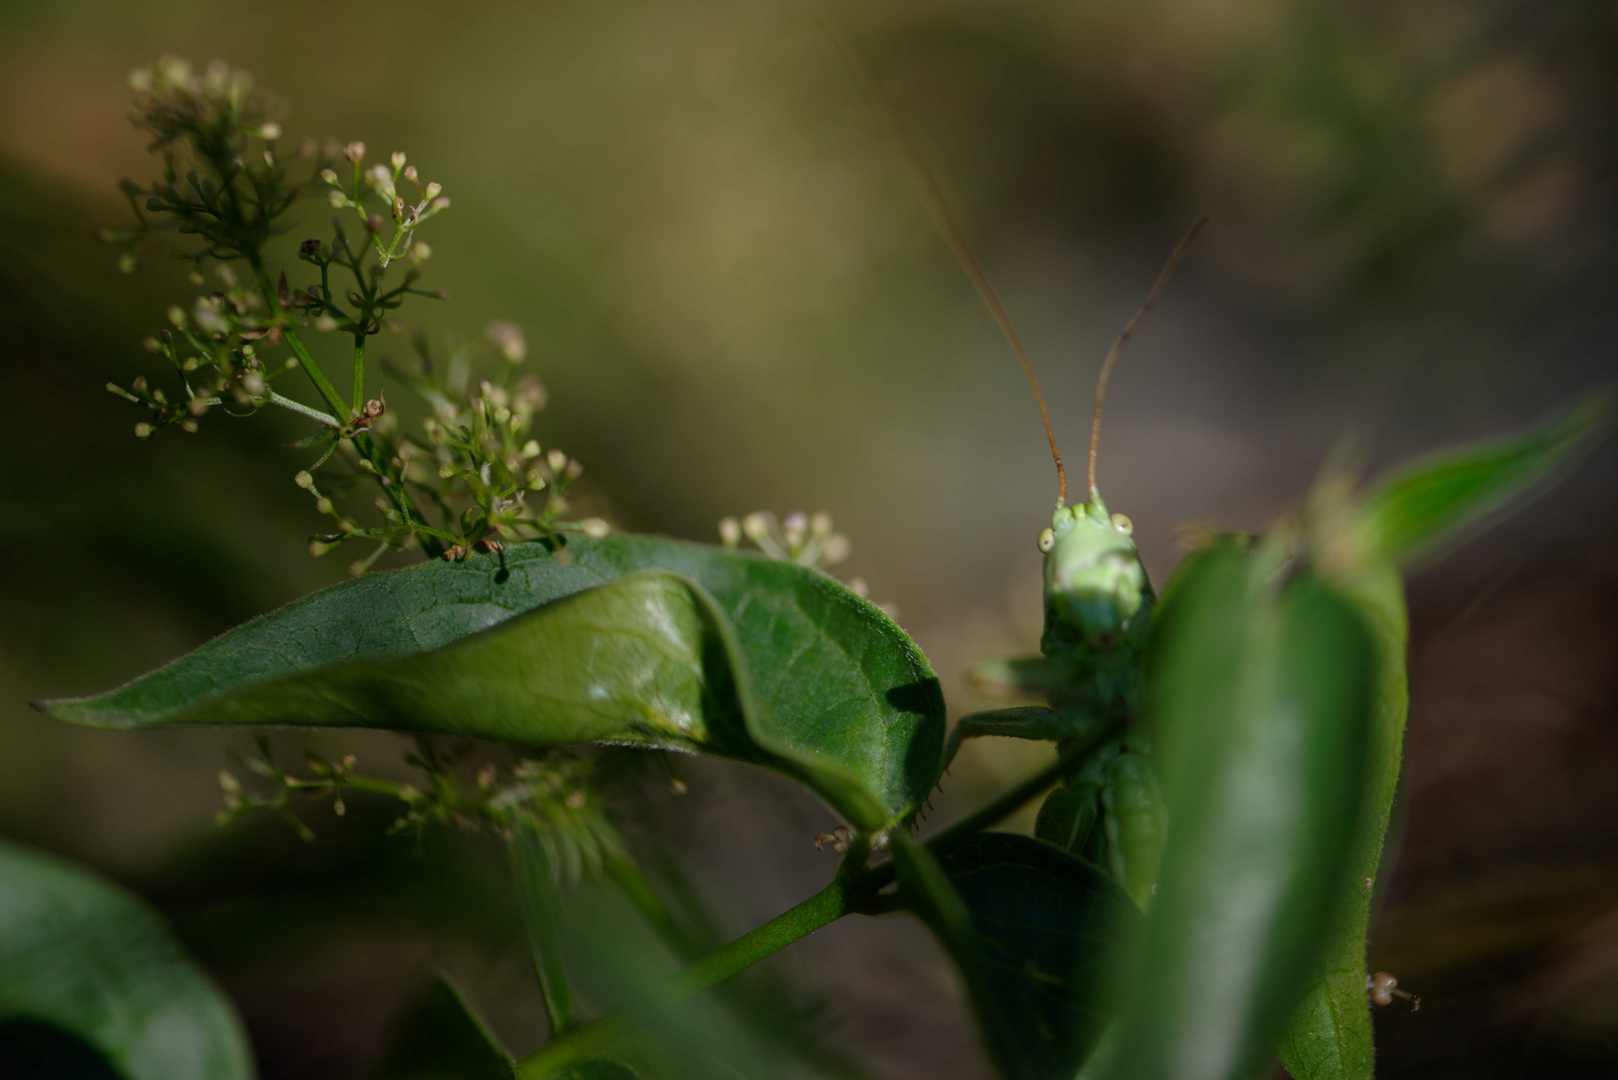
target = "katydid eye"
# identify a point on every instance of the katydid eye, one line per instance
(1047, 539)
(1123, 524)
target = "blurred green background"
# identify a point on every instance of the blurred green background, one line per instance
(736, 302)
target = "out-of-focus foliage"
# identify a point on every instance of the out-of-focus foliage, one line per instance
(83, 956)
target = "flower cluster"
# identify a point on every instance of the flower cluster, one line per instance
(475, 478)
(799, 538)
(550, 794)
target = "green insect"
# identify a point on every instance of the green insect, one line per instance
(1098, 606)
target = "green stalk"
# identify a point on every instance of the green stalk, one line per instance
(290, 336)
(302, 410)
(825, 907)
(543, 913)
(316, 376)
(359, 372)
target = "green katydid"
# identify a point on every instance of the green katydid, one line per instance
(1098, 606)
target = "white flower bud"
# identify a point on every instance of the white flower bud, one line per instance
(329, 175)
(304, 480)
(354, 151)
(508, 338)
(595, 528)
(398, 159)
(432, 190)
(730, 531)
(755, 525)
(269, 131)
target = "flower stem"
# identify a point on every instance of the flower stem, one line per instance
(826, 906)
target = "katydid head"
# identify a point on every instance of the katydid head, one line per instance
(1096, 589)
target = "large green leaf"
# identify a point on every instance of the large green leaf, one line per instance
(443, 1039)
(1328, 1036)
(1414, 510)
(1429, 502)
(1260, 700)
(1029, 926)
(695, 647)
(86, 957)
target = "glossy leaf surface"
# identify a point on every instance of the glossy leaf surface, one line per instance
(1260, 699)
(91, 960)
(727, 653)
(1029, 927)
(443, 1039)
(1428, 502)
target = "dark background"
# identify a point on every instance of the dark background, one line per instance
(736, 302)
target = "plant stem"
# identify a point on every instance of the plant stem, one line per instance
(304, 410)
(542, 912)
(290, 336)
(1012, 799)
(359, 372)
(826, 906)
(316, 376)
(850, 892)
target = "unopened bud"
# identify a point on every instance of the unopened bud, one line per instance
(441, 203)
(329, 175)
(508, 338)
(432, 189)
(309, 247)
(188, 426)
(143, 430)
(556, 460)
(730, 531)
(595, 528)
(410, 173)
(269, 132)
(304, 480)
(354, 151)
(336, 199)
(755, 525)
(398, 159)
